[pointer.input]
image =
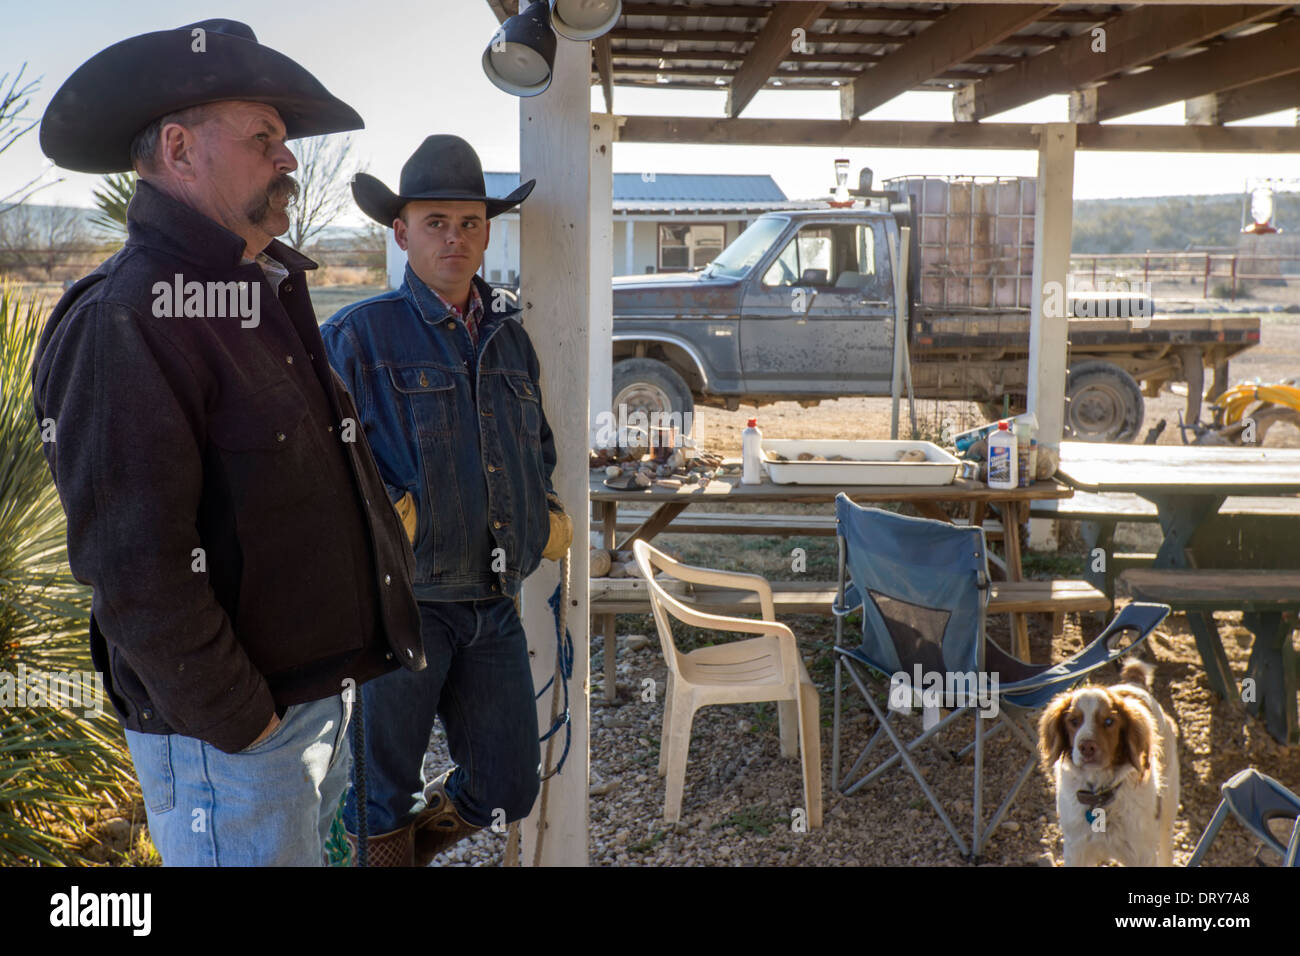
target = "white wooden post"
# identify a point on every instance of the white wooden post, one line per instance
(601, 385)
(1052, 229)
(394, 261)
(555, 250)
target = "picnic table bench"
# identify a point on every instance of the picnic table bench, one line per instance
(1264, 598)
(776, 525)
(631, 596)
(1204, 550)
(1243, 531)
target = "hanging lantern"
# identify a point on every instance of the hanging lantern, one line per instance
(1261, 211)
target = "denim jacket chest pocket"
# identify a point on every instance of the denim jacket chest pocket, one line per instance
(430, 394)
(523, 408)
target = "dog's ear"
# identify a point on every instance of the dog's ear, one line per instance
(1137, 736)
(1053, 738)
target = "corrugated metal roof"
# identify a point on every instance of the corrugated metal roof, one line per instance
(717, 190)
(632, 207)
(696, 187)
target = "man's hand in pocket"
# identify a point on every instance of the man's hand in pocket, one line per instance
(270, 729)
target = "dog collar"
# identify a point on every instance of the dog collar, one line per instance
(1096, 799)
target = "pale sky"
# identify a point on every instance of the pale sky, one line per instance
(411, 68)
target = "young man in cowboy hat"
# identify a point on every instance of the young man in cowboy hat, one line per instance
(248, 569)
(447, 383)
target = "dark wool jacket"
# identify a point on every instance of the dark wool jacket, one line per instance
(222, 500)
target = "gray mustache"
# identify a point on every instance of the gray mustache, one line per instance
(284, 186)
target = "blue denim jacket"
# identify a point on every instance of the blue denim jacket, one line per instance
(462, 430)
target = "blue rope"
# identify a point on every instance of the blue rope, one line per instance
(564, 663)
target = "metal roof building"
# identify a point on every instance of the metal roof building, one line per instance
(664, 222)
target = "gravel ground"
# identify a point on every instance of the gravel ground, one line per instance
(740, 792)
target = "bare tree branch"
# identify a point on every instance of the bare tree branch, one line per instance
(325, 169)
(15, 96)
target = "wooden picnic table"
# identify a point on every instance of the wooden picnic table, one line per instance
(1011, 505)
(1188, 485)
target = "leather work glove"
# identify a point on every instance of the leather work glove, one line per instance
(557, 545)
(406, 511)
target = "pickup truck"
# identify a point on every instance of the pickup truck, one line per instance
(801, 307)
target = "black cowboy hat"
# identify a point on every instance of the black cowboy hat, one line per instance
(444, 167)
(119, 91)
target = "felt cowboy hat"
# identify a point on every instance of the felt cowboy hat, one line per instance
(119, 91)
(444, 167)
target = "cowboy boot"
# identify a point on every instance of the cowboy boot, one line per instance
(395, 848)
(439, 826)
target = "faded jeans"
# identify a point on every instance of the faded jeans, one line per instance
(479, 682)
(268, 805)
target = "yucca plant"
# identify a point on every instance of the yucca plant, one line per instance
(52, 761)
(111, 199)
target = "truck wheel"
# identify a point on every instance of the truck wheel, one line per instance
(650, 386)
(1103, 403)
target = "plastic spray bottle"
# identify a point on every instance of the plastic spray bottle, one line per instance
(751, 454)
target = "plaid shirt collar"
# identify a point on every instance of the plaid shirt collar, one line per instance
(474, 318)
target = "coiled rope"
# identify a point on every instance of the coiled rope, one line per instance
(559, 602)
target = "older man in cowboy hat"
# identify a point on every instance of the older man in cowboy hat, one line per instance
(249, 571)
(447, 383)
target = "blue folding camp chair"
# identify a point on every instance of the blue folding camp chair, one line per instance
(922, 587)
(1256, 800)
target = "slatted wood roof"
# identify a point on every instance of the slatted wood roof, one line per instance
(1226, 61)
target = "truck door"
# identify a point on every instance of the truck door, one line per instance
(816, 317)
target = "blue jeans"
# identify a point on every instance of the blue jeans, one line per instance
(480, 684)
(268, 805)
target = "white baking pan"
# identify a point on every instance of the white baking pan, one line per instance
(869, 463)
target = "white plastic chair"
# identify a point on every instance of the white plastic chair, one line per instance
(763, 668)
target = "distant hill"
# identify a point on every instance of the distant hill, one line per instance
(1169, 223)
(1165, 223)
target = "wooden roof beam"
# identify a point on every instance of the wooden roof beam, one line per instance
(772, 45)
(945, 43)
(1131, 39)
(600, 49)
(503, 9)
(624, 53)
(1256, 99)
(659, 35)
(1252, 59)
(910, 134)
(864, 12)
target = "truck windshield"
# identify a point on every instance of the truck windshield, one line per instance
(743, 254)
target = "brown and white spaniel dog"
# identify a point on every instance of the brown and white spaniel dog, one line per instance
(1113, 752)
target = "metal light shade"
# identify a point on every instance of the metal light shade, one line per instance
(584, 19)
(1261, 206)
(1261, 211)
(522, 53)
